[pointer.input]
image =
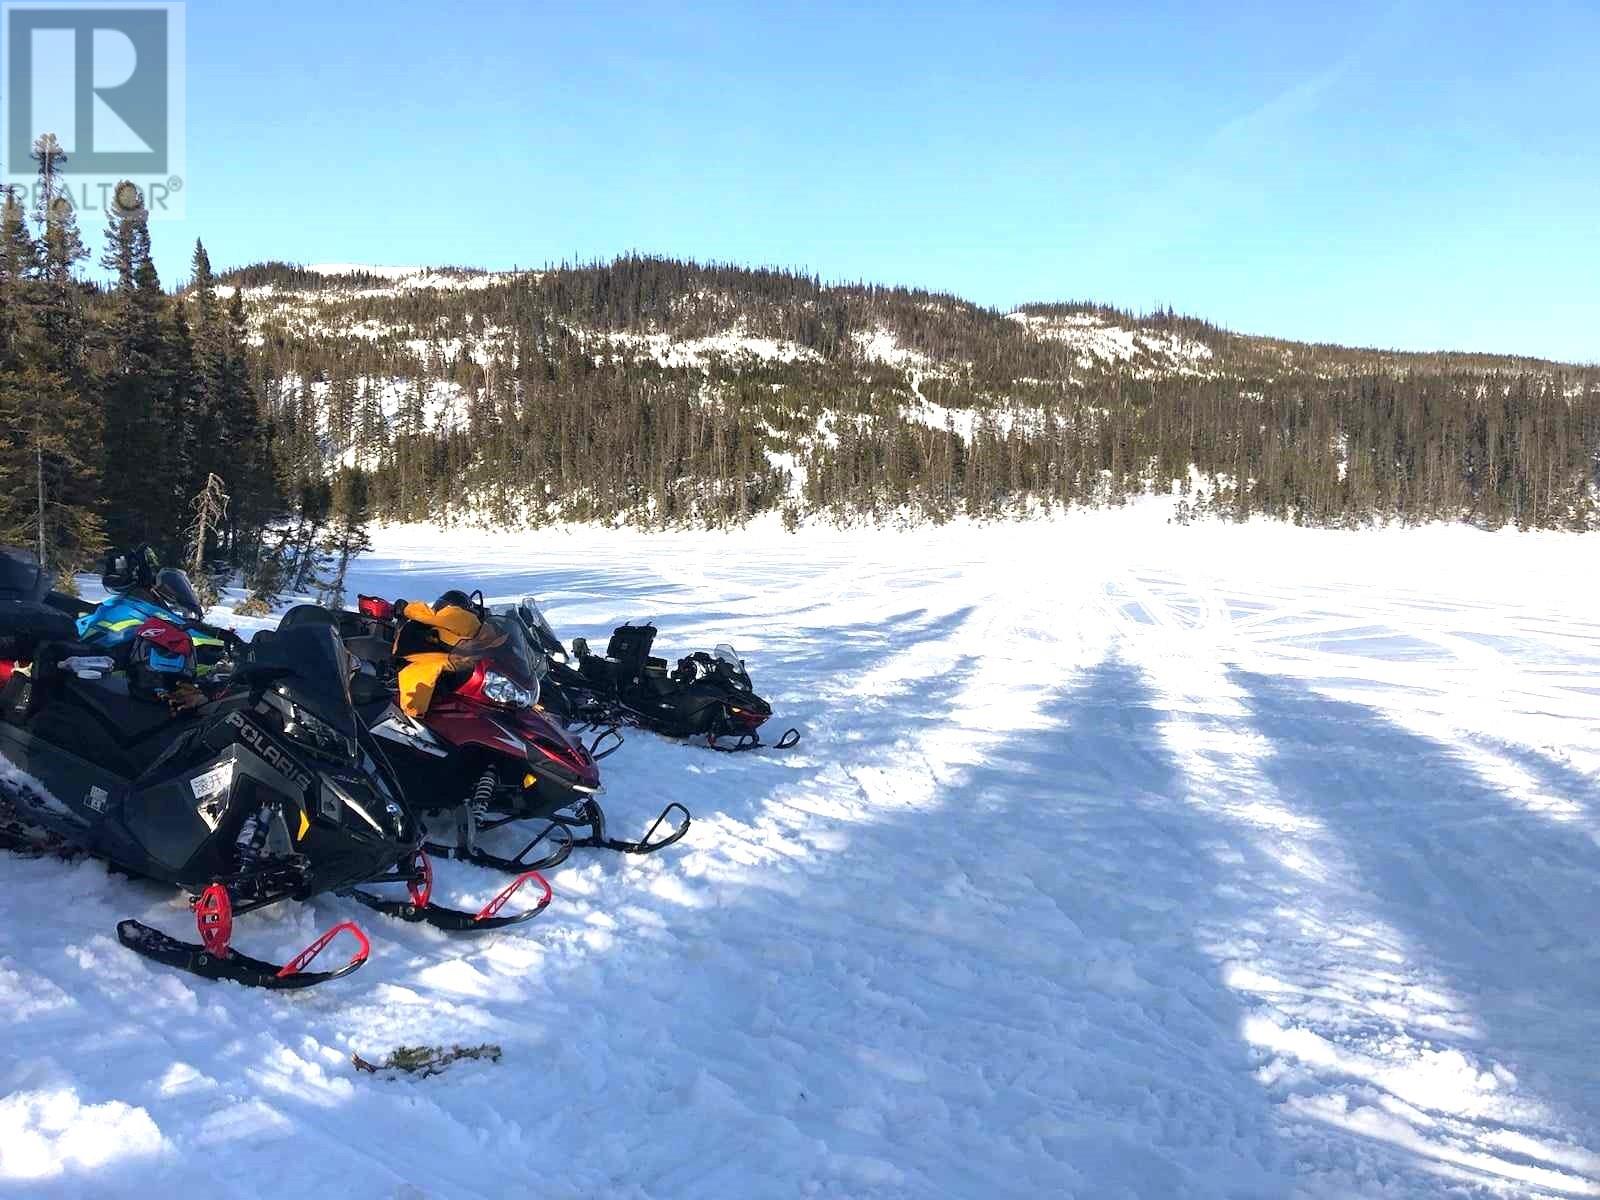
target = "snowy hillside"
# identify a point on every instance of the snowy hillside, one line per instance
(1119, 859)
(661, 392)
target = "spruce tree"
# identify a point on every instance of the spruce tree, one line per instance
(206, 382)
(61, 249)
(139, 472)
(347, 535)
(51, 484)
(243, 438)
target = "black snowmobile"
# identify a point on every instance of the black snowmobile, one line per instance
(705, 695)
(271, 791)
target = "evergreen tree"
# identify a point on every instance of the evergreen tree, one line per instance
(48, 482)
(137, 464)
(244, 438)
(206, 402)
(348, 533)
(61, 249)
(51, 483)
(18, 262)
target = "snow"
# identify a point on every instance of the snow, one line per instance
(733, 345)
(1098, 341)
(414, 277)
(1119, 859)
(879, 345)
(377, 272)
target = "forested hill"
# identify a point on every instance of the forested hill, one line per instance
(661, 391)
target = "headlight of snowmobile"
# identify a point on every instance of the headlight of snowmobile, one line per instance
(500, 690)
(376, 809)
(304, 726)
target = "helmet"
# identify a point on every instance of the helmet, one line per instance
(162, 656)
(131, 568)
(454, 598)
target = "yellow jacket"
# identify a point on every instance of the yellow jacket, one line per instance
(423, 665)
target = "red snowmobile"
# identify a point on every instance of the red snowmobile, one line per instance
(483, 749)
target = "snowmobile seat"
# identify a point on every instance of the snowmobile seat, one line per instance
(71, 605)
(129, 718)
(654, 678)
(21, 578)
(26, 615)
(598, 672)
(99, 721)
(24, 624)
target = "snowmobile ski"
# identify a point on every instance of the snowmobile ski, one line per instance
(214, 958)
(419, 907)
(751, 740)
(469, 824)
(590, 815)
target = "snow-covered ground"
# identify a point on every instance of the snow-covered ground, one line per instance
(1120, 859)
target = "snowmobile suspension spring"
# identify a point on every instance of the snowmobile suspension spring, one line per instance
(484, 791)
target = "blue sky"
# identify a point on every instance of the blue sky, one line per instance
(1422, 175)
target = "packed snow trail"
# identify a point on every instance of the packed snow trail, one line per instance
(1118, 859)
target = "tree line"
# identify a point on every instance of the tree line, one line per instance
(538, 396)
(130, 415)
(524, 399)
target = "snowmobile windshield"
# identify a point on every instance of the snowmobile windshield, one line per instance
(173, 588)
(317, 666)
(723, 652)
(502, 643)
(533, 617)
(20, 576)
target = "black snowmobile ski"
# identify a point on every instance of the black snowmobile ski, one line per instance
(749, 739)
(418, 905)
(214, 958)
(470, 823)
(589, 815)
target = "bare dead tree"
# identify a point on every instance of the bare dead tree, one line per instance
(210, 507)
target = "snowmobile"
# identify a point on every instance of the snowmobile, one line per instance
(271, 792)
(483, 748)
(706, 695)
(564, 690)
(140, 589)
